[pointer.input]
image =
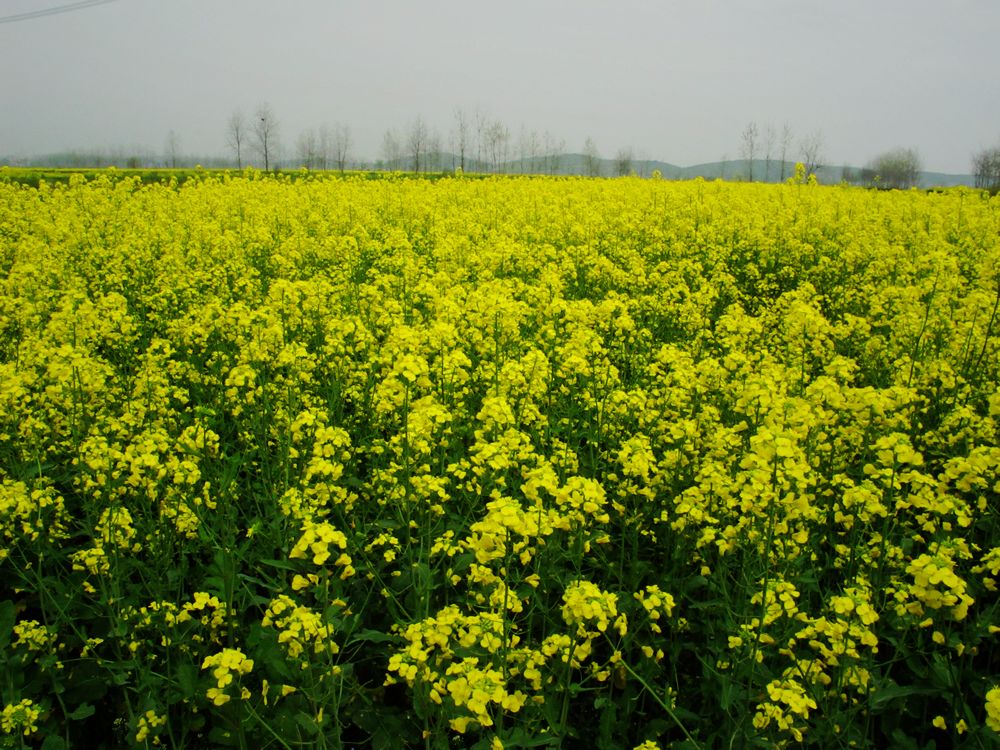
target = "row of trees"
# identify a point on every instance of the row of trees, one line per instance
(482, 143)
(770, 145)
(898, 168)
(986, 169)
(476, 141)
(258, 135)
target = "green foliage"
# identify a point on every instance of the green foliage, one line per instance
(388, 462)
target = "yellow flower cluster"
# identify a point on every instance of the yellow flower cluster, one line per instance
(30, 514)
(314, 545)
(935, 584)
(20, 718)
(993, 709)
(299, 628)
(149, 726)
(492, 441)
(34, 636)
(788, 705)
(657, 604)
(227, 666)
(590, 609)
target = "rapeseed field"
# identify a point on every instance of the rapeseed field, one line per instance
(506, 462)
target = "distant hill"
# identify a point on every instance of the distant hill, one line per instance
(731, 169)
(558, 164)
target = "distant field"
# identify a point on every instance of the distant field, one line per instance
(33, 177)
(504, 462)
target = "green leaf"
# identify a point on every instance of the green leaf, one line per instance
(54, 742)
(608, 724)
(519, 737)
(281, 564)
(307, 723)
(221, 737)
(373, 636)
(726, 693)
(187, 680)
(941, 674)
(8, 614)
(904, 741)
(215, 586)
(83, 711)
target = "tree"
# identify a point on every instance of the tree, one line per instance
(307, 149)
(552, 148)
(591, 158)
(623, 161)
(785, 144)
(392, 150)
(416, 143)
(749, 146)
(527, 150)
(172, 149)
(461, 136)
(236, 136)
(497, 144)
(986, 168)
(850, 176)
(769, 137)
(640, 164)
(534, 147)
(811, 150)
(482, 136)
(434, 151)
(898, 168)
(265, 131)
(324, 147)
(343, 142)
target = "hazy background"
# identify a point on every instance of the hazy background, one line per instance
(676, 80)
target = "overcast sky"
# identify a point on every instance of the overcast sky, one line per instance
(677, 80)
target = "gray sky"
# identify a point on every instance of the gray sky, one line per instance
(678, 80)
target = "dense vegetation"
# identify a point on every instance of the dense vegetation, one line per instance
(500, 462)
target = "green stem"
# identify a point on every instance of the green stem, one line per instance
(663, 704)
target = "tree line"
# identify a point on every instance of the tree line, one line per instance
(480, 142)
(898, 168)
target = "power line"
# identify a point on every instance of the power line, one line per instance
(68, 8)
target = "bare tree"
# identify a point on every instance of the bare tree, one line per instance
(522, 149)
(340, 143)
(392, 150)
(416, 143)
(749, 146)
(553, 148)
(461, 137)
(435, 151)
(307, 149)
(641, 163)
(497, 144)
(591, 158)
(986, 168)
(811, 150)
(172, 149)
(769, 136)
(265, 130)
(324, 147)
(623, 161)
(786, 144)
(534, 148)
(482, 136)
(236, 136)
